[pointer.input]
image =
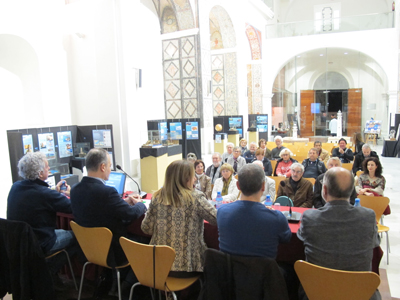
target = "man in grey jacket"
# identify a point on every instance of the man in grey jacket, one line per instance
(339, 235)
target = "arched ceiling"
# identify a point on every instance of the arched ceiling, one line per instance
(174, 15)
(222, 33)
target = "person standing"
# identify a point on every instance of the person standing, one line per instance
(333, 125)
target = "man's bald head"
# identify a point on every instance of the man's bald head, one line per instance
(338, 184)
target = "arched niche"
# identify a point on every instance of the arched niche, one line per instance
(222, 33)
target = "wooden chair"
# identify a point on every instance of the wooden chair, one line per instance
(378, 205)
(151, 265)
(358, 173)
(327, 146)
(277, 180)
(330, 284)
(348, 166)
(69, 263)
(273, 164)
(95, 243)
(312, 180)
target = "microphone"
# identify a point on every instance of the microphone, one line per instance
(142, 194)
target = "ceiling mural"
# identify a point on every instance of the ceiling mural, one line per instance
(174, 15)
(222, 32)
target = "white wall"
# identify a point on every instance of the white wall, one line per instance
(33, 52)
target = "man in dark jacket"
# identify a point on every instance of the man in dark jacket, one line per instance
(95, 204)
(359, 158)
(345, 154)
(313, 167)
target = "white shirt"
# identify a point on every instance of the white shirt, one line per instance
(333, 126)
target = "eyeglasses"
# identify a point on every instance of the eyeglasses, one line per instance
(237, 151)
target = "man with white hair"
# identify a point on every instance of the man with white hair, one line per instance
(269, 184)
(279, 147)
(228, 153)
(236, 161)
(297, 188)
(250, 154)
(318, 201)
(359, 158)
(214, 171)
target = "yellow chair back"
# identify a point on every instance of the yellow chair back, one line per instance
(94, 241)
(330, 284)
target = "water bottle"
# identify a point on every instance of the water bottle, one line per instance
(268, 201)
(218, 200)
(357, 203)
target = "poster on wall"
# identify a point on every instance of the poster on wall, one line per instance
(163, 129)
(64, 144)
(175, 130)
(102, 138)
(192, 130)
(27, 142)
(46, 144)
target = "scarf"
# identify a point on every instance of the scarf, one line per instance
(226, 186)
(197, 184)
(214, 173)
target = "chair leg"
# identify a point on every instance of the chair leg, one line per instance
(119, 284)
(132, 288)
(83, 276)
(70, 268)
(173, 295)
(387, 247)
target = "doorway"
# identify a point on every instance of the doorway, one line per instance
(330, 102)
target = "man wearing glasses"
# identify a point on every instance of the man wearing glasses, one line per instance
(237, 161)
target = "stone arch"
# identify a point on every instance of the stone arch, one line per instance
(254, 37)
(221, 27)
(223, 65)
(174, 15)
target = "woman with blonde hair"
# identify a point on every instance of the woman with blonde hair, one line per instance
(176, 218)
(226, 185)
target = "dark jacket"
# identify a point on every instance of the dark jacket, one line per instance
(34, 203)
(318, 201)
(24, 271)
(96, 205)
(249, 156)
(303, 196)
(279, 160)
(346, 157)
(320, 166)
(358, 148)
(267, 166)
(240, 277)
(358, 160)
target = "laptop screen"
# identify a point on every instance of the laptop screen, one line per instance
(117, 180)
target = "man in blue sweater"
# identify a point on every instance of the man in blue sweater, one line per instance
(248, 228)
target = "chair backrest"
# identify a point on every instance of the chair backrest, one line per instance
(277, 180)
(273, 164)
(312, 180)
(284, 201)
(377, 204)
(329, 284)
(348, 166)
(327, 146)
(94, 241)
(359, 172)
(237, 176)
(141, 259)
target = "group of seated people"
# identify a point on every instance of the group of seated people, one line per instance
(220, 176)
(177, 211)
